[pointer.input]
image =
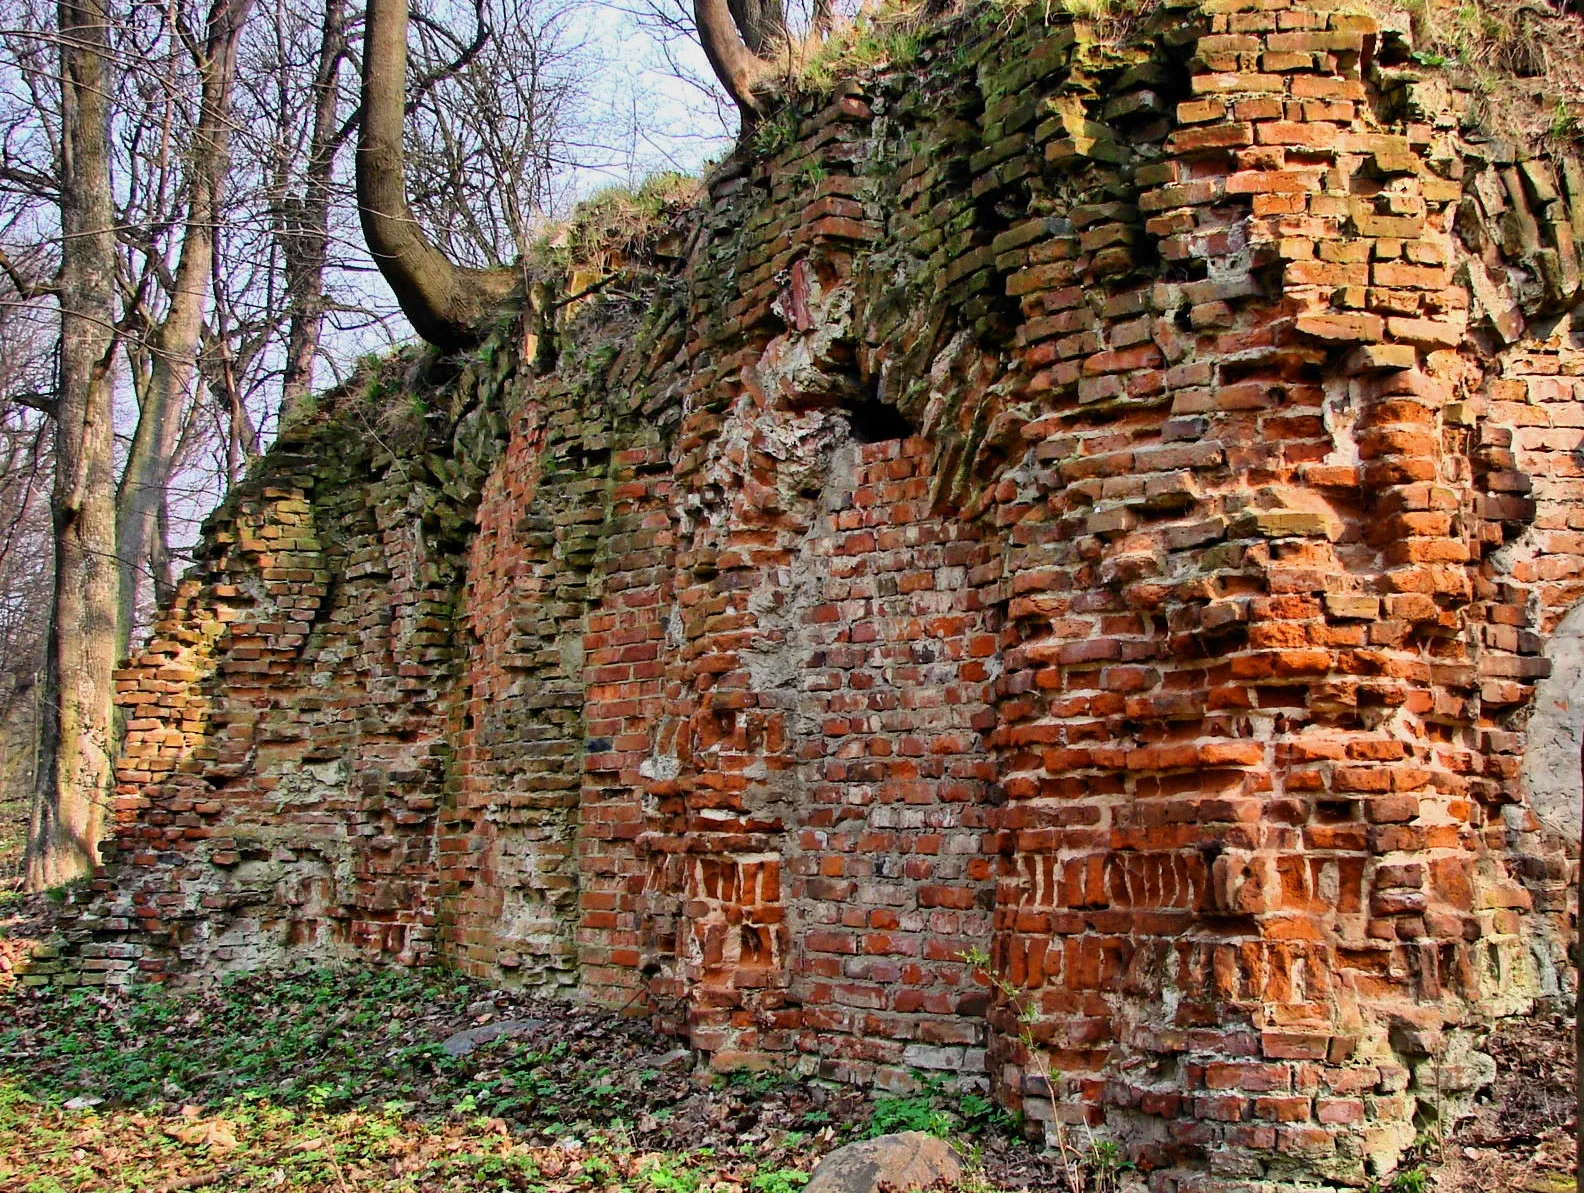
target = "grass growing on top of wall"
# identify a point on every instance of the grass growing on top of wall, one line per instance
(1524, 62)
(615, 221)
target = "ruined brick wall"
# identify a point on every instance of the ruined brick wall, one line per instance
(1104, 503)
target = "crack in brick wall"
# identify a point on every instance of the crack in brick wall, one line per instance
(1179, 654)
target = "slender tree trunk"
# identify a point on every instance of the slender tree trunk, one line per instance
(160, 558)
(175, 342)
(447, 305)
(305, 242)
(73, 778)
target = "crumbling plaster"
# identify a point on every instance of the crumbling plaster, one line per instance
(1138, 727)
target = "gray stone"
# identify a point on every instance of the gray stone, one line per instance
(463, 1042)
(1551, 761)
(910, 1160)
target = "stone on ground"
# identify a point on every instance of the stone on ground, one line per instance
(463, 1042)
(909, 1160)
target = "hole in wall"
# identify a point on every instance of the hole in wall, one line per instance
(874, 421)
(1333, 811)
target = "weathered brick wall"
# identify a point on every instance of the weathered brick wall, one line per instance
(1100, 503)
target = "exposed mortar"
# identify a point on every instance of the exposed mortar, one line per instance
(1181, 653)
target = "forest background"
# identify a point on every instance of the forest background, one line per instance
(239, 282)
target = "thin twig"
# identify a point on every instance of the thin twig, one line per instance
(200, 1180)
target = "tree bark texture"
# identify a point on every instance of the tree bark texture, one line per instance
(760, 23)
(305, 237)
(175, 342)
(731, 57)
(73, 782)
(448, 306)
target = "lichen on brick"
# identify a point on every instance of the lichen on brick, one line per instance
(1104, 505)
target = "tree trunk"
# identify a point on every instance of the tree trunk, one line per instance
(761, 23)
(73, 779)
(448, 306)
(161, 567)
(735, 63)
(175, 342)
(305, 238)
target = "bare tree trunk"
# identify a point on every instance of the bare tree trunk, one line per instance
(160, 558)
(305, 240)
(175, 342)
(736, 63)
(824, 14)
(762, 23)
(73, 778)
(447, 305)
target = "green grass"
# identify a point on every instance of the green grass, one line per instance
(338, 1080)
(253, 1145)
(614, 221)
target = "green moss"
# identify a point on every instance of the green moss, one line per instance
(615, 220)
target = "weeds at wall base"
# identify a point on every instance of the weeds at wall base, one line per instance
(343, 1078)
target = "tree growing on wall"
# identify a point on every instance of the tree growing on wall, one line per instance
(450, 304)
(447, 304)
(738, 37)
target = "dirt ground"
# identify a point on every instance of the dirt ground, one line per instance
(339, 1052)
(1521, 1137)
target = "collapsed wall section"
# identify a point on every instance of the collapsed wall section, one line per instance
(1042, 578)
(285, 749)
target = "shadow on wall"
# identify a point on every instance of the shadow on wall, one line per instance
(1551, 767)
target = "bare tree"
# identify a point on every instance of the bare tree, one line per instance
(481, 196)
(172, 343)
(74, 773)
(26, 361)
(447, 304)
(302, 209)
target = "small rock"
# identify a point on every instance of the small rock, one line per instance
(677, 1058)
(463, 1042)
(910, 1160)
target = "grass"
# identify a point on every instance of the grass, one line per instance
(1521, 62)
(888, 35)
(1478, 34)
(340, 1081)
(614, 221)
(1111, 21)
(1567, 121)
(260, 1145)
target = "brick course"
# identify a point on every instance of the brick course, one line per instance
(1104, 505)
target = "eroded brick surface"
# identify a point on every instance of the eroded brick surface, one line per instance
(1100, 505)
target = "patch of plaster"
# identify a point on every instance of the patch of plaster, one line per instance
(1551, 765)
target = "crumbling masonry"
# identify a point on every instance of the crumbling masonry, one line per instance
(1104, 503)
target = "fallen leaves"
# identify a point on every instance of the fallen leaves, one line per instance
(215, 1134)
(340, 1083)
